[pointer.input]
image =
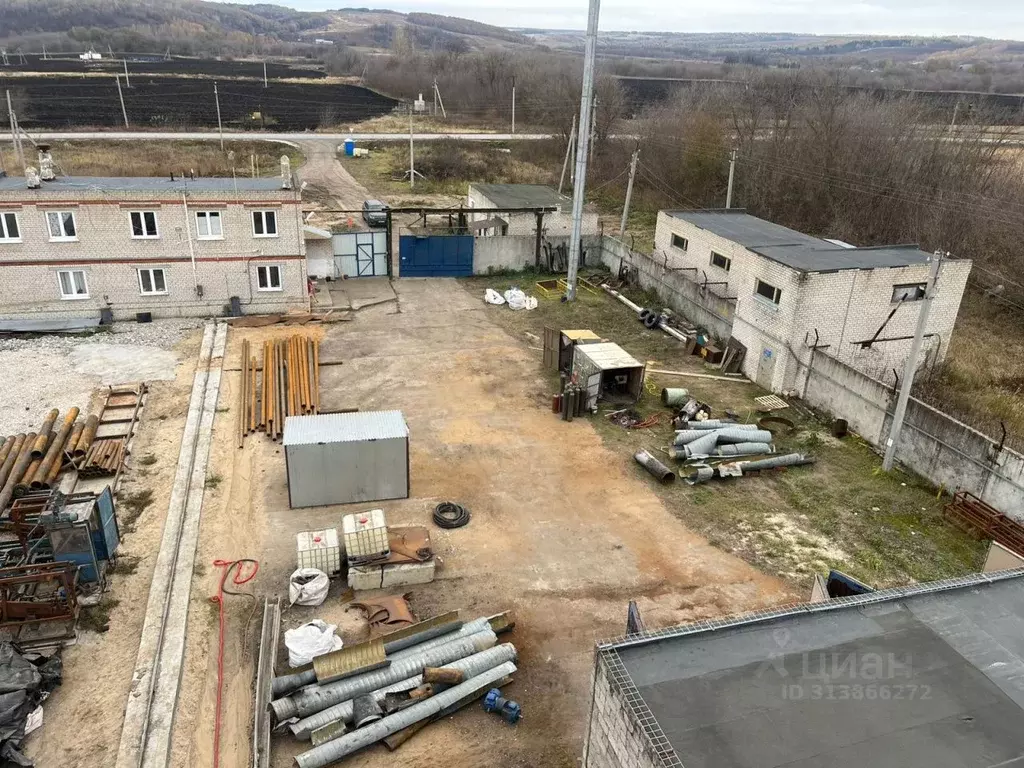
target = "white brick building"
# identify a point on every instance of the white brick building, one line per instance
(510, 196)
(787, 286)
(183, 247)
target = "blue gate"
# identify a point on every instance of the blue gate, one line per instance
(435, 256)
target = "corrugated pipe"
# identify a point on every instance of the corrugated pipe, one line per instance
(788, 460)
(471, 666)
(743, 449)
(718, 424)
(685, 436)
(702, 475)
(654, 467)
(744, 436)
(371, 734)
(702, 446)
(315, 698)
(670, 396)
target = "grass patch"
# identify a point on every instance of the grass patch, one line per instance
(124, 565)
(213, 481)
(96, 618)
(130, 506)
(843, 512)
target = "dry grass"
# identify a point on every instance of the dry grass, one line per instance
(160, 158)
(398, 123)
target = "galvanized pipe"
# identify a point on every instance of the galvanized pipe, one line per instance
(743, 449)
(654, 467)
(310, 700)
(43, 439)
(374, 732)
(54, 452)
(670, 396)
(703, 446)
(471, 666)
(787, 460)
(718, 424)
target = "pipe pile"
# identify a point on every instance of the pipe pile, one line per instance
(287, 383)
(734, 440)
(34, 461)
(743, 468)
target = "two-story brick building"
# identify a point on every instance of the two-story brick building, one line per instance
(74, 246)
(790, 289)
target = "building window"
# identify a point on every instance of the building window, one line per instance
(152, 282)
(9, 231)
(264, 223)
(910, 292)
(144, 225)
(268, 278)
(770, 292)
(680, 242)
(72, 284)
(61, 225)
(720, 261)
(208, 225)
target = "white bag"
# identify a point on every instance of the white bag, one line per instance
(518, 300)
(309, 641)
(308, 586)
(491, 296)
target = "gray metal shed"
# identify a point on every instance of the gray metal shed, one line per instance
(608, 372)
(342, 458)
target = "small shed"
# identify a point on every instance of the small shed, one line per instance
(558, 346)
(608, 372)
(342, 458)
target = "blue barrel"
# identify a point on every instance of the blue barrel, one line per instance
(350, 147)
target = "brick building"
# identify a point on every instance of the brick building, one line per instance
(72, 247)
(786, 286)
(511, 196)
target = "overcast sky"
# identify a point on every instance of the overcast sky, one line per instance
(990, 18)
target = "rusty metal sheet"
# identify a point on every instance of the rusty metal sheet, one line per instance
(408, 544)
(353, 660)
(446, 621)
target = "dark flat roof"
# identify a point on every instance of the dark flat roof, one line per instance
(143, 184)
(930, 676)
(522, 195)
(795, 249)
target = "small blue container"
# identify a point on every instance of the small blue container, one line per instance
(350, 147)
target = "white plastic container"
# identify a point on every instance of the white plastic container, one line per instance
(320, 550)
(366, 536)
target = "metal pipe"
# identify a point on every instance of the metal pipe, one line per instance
(6, 448)
(743, 449)
(718, 424)
(702, 446)
(635, 307)
(43, 439)
(654, 467)
(316, 374)
(92, 423)
(76, 435)
(24, 458)
(31, 480)
(787, 460)
(12, 456)
(363, 737)
(471, 666)
(671, 396)
(282, 378)
(310, 700)
(53, 453)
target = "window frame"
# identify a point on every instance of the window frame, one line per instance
(5, 230)
(64, 238)
(208, 216)
(152, 281)
(72, 296)
(723, 257)
(921, 290)
(775, 300)
(141, 213)
(270, 288)
(262, 214)
(685, 247)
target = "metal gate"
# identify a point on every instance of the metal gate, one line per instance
(360, 254)
(436, 256)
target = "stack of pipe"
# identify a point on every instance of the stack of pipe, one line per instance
(286, 384)
(730, 440)
(34, 461)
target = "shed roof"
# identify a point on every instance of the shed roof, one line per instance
(944, 664)
(521, 195)
(344, 427)
(143, 184)
(796, 250)
(608, 356)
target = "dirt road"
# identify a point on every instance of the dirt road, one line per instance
(323, 171)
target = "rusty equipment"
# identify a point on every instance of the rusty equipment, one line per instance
(37, 593)
(387, 613)
(983, 521)
(443, 675)
(103, 442)
(286, 383)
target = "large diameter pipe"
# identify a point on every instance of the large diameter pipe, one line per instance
(39, 446)
(674, 396)
(5, 449)
(371, 734)
(55, 451)
(744, 436)
(788, 460)
(703, 446)
(92, 423)
(471, 666)
(24, 459)
(12, 456)
(710, 424)
(76, 435)
(315, 698)
(743, 449)
(611, 292)
(654, 467)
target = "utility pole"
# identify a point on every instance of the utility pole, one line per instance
(568, 150)
(581, 152)
(435, 97)
(732, 176)
(910, 368)
(14, 132)
(513, 104)
(629, 191)
(593, 129)
(412, 159)
(120, 95)
(220, 126)
(127, 82)
(266, 83)
(439, 101)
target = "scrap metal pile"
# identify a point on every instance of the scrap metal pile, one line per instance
(286, 383)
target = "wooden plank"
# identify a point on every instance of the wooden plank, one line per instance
(264, 676)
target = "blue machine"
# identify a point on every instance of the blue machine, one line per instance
(507, 710)
(82, 529)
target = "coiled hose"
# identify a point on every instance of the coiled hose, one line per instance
(448, 514)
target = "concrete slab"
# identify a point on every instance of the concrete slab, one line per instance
(360, 292)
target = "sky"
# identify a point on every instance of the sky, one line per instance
(989, 18)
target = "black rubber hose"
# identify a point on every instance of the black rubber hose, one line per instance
(644, 314)
(448, 514)
(652, 320)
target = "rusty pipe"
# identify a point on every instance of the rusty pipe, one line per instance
(76, 435)
(316, 376)
(92, 423)
(53, 453)
(12, 456)
(282, 380)
(24, 458)
(30, 480)
(43, 439)
(51, 476)
(5, 449)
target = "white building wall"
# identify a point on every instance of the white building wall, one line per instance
(614, 736)
(555, 224)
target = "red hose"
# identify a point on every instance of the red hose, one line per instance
(228, 566)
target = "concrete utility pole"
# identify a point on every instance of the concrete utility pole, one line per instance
(513, 104)
(629, 191)
(584, 147)
(220, 126)
(732, 176)
(568, 152)
(440, 101)
(127, 82)
(120, 95)
(266, 83)
(14, 133)
(911, 365)
(593, 130)
(412, 163)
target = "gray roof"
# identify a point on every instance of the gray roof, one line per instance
(522, 195)
(607, 356)
(344, 427)
(143, 184)
(944, 664)
(795, 249)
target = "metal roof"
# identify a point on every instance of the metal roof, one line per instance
(344, 427)
(795, 249)
(944, 663)
(608, 356)
(143, 184)
(521, 195)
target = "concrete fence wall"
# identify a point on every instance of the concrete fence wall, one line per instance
(676, 288)
(516, 252)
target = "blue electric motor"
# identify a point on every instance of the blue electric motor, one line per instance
(509, 711)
